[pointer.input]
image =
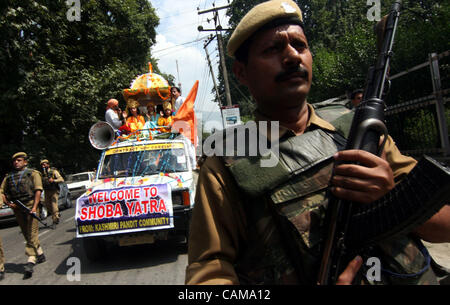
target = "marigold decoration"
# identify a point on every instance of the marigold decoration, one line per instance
(173, 176)
(149, 86)
(135, 134)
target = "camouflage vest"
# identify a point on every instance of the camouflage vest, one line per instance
(19, 186)
(285, 208)
(45, 176)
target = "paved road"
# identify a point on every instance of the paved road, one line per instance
(161, 263)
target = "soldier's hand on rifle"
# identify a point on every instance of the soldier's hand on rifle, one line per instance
(11, 205)
(368, 180)
(8, 203)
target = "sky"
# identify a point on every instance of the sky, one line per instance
(178, 41)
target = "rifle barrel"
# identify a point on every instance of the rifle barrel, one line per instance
(367, 127)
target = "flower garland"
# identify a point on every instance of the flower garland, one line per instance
(173, 176)
(136, 134)
(159, 94)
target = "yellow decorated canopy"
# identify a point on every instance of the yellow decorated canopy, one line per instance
(149, 87)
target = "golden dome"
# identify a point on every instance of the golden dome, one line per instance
(148, 87)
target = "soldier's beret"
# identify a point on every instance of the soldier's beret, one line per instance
(20, 155)
(44, 161)
(261, 15)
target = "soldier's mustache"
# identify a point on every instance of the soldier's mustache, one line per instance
(295, 71)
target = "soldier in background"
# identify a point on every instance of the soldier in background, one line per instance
(25, 184)
(356, 97)
(51, 179)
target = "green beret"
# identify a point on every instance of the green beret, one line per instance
(19, 155)
(44, 161)
(259, 16)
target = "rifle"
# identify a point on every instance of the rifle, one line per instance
(399, 210)
(28, 211)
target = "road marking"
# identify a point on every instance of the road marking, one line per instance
(45, 232)
(40, 234)
(71, 218)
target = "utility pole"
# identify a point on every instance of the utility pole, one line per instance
(178, 72)
(217, 29)
(211, 69)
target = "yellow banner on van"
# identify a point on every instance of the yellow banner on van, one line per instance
(156, 146)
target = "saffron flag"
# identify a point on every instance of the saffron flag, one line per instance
(185, 121)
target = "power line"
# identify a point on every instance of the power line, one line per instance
(207, 88)
(178, 28)
(204, 90)
(236, 86)
(178, 45)
(218, 28)
(179, 14)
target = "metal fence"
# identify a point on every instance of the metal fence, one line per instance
(419, 125)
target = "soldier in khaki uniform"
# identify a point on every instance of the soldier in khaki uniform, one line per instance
(248, 218)
(25, 184)
(50, 179)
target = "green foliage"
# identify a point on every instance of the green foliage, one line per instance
(423, 30)
(56, 75)
(247, 118)
(342, 42)
(335, 72)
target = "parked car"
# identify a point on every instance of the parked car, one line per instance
(6, 214)
(79, 183)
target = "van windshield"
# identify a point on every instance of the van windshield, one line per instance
(141, 162)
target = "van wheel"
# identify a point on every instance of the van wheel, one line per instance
(94, 248)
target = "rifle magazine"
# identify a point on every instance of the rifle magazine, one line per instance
(424, 191)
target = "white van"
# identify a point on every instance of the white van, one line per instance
(144, 191)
